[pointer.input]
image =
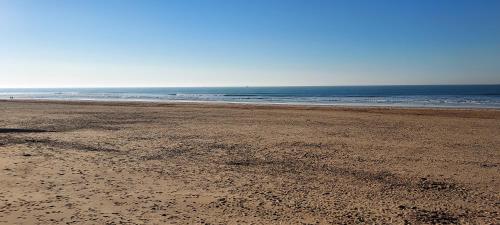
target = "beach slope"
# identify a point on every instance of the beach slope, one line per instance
(149, 163)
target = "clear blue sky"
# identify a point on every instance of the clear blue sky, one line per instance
(47, 43)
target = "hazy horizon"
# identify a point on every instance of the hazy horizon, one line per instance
(85, 44)
(247, 86)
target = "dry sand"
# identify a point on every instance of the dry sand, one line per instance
(145, 163)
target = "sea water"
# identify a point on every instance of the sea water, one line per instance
(459, 96)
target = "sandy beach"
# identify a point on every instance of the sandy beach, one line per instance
(151, 163)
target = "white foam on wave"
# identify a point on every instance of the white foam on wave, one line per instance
(459, 101)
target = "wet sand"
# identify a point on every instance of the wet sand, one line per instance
(147, 163)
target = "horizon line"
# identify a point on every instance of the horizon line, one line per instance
(251, 86)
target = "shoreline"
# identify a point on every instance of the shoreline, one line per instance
(257, 104)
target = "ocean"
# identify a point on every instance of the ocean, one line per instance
(457, 96)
